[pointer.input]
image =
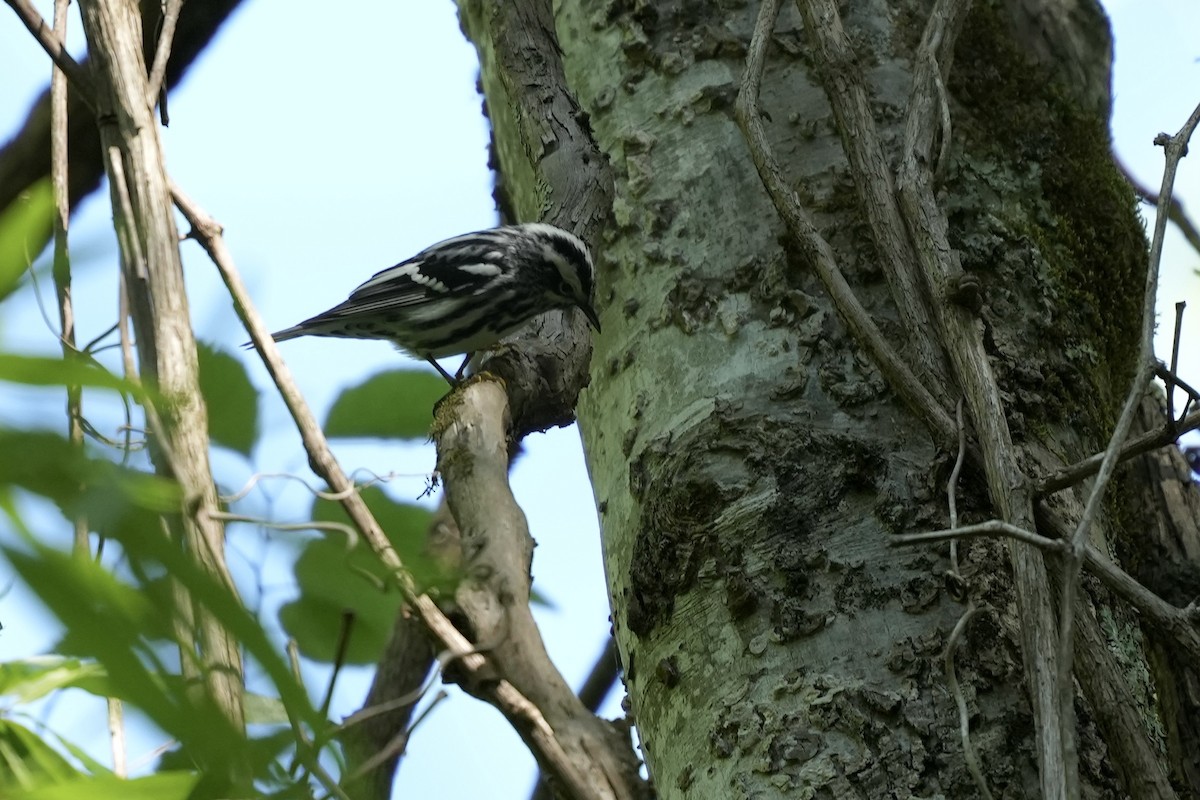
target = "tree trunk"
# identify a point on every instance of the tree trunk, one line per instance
(751, 462)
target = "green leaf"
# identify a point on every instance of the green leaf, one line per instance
(108, 494)
(160, 786)
(31, 678)
(27, 760)
(393, 405)
(25, 227)
(151, 553)
(231, 398)
(43, 371)
(263, 710)
(115, 623)
(336, 577)
(81, 756)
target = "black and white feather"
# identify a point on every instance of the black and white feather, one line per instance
(465, 294)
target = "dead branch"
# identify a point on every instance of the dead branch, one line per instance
(872, 174)
(1151, 440)
(472, 442)
(929, 231)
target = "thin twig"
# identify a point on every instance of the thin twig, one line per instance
(1175, 148)
(356, 485)
(952, 485)
(1174, 623)
(1173, 382)
(59, 158)
(306, 753)
(397, 746)
(1179, 307)
(992, 527)
(1178, 214)
(1069, 476)
(964, 716)
(443, 660)
(162, 53)
(339, 658)
(351, 534)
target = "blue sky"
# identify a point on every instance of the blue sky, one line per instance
(333, 145)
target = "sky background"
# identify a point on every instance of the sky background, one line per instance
(331, 146)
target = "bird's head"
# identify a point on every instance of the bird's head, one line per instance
(571, 278)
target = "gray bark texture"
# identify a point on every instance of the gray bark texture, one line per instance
(750, 460)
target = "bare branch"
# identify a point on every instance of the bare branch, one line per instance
(1174, 368)
(62, 259)
(1173, 623)
(1177, 214)
(1172, 380)
(153, 276)
(162, 53)
(473, 458)
(848, 96)
(25, 158)
(929, 231)
(993, 527)
(1069, 476)
(396, 747)
(1175, 147)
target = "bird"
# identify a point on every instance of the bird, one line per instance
(465, 294)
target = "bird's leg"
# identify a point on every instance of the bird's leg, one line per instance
(467, 360)
(452, 381)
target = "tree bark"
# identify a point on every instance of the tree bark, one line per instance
(750, 461)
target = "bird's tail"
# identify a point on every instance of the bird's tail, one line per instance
(281, 336)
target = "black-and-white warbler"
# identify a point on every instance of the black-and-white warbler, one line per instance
(465, 294)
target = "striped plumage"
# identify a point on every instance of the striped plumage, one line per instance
(465, 294)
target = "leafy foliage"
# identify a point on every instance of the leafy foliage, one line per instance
(121, 625)
(122, 616)
(39, 371)
(160, 786)
(28, 679)
(24, 228)
(393, 404)
(341, 580)
(231, 399)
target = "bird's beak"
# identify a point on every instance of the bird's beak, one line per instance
(592, 317)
